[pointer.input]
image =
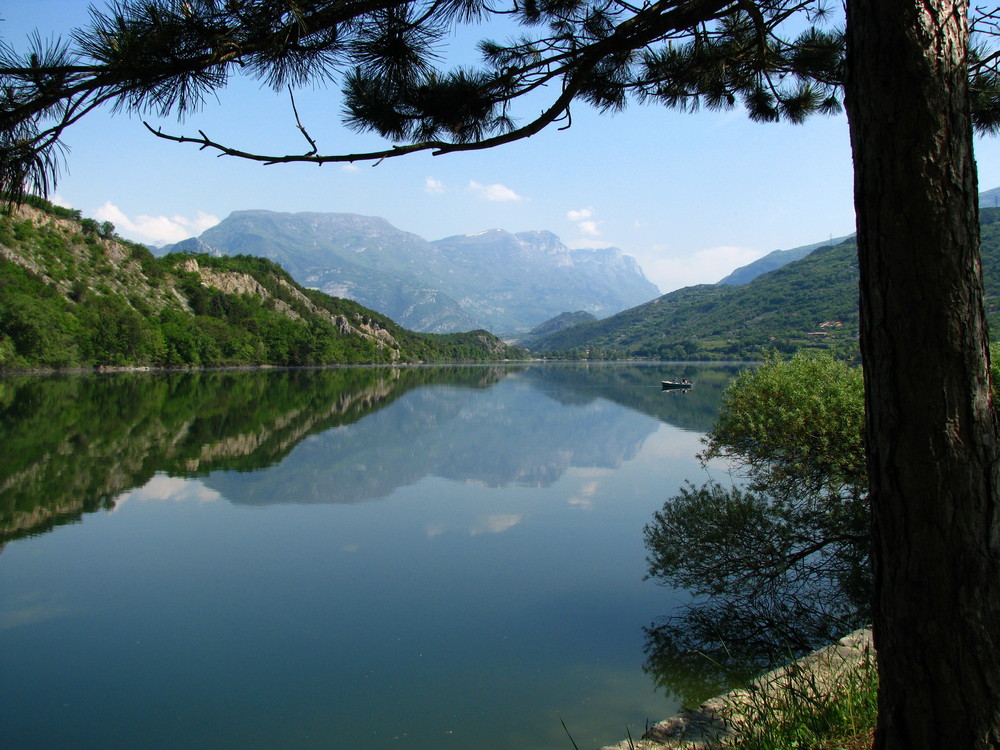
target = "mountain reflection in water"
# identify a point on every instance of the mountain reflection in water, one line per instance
(423, 557)
(73, 443)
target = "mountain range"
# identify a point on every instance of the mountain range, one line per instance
(498, 280)
(73, 294)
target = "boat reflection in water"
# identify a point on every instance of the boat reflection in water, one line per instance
(676, 385)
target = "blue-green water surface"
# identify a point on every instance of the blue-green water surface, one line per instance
(447, 557)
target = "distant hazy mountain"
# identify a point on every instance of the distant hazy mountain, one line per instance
(779, 258)
(809, 302)
(990, 198)
(498, 280)
(343, 255)
(774, 260)
(560, 322)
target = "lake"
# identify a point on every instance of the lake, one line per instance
(417, 557)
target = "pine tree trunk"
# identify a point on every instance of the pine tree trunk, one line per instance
(932, 442)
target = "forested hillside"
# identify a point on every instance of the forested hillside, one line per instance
(810, 303)
(72, 294)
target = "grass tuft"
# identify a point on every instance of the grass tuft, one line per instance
(801, 709)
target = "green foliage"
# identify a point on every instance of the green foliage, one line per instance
(989, 224)
(35, 324)
(114, 333)
(106, 303)
(686, 535)
(810, 304)
(385, 60)
(776, 60)
(795, 424)
(60, 212)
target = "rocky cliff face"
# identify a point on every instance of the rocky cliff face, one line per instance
(233, 282)
(526, 278)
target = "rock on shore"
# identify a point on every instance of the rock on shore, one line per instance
(710, 725)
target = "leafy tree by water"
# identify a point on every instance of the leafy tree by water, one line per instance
(781, 565)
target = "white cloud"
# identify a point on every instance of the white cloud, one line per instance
(433, 187)
(494, 192)
(497, 524)
(202, 222)
(585, 221)
(350, 168)
(584, 500)
(703, 267)
(32, 609)
(162, 487)
(155, 230)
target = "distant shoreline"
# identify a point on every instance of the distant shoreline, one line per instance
(116, 369)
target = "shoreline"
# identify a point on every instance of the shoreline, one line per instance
(112, 369)
(710, 725)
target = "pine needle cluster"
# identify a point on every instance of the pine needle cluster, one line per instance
(777, 59)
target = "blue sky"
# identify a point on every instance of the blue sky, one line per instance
(690, 196)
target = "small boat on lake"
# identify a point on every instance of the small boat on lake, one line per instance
(670, 385)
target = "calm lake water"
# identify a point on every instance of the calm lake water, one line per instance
(426, 557)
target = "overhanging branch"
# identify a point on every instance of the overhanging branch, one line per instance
(557, 110)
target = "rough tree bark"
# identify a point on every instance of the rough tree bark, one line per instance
(932, 441)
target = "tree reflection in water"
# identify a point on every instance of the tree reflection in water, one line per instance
(782, 566)
(768, 585)
(72, 443)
